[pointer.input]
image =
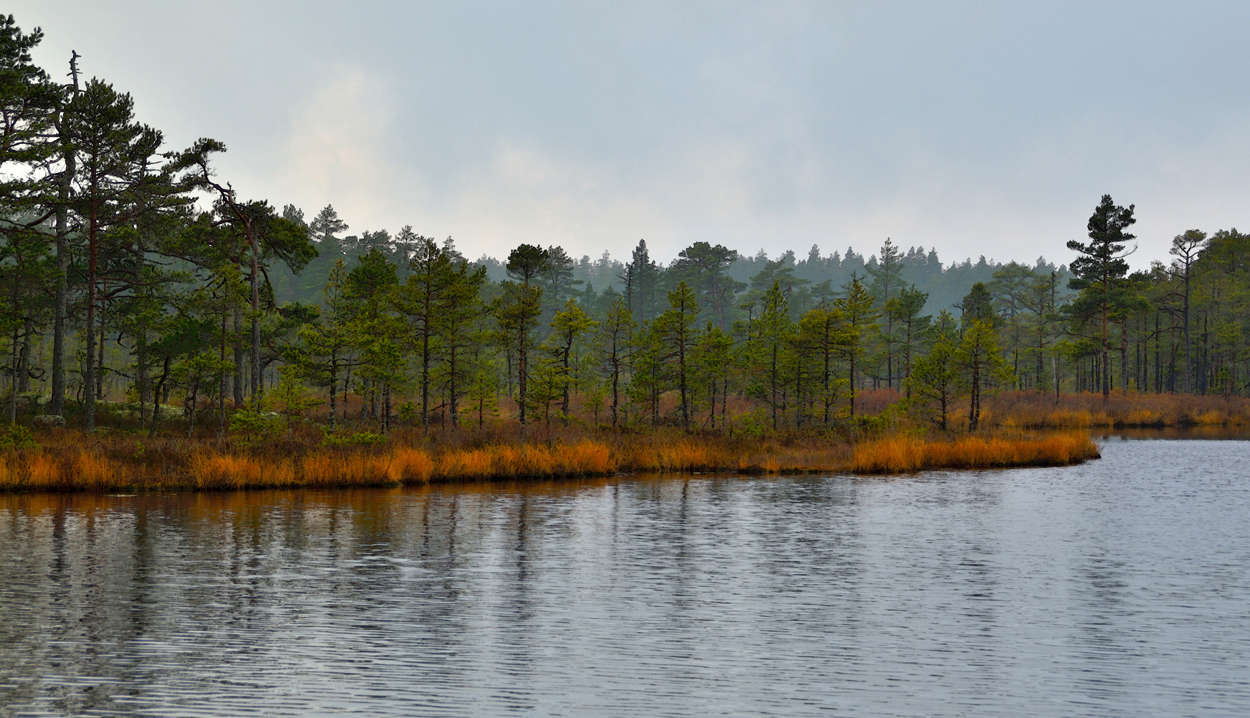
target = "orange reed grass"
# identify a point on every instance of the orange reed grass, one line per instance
(901, 454)
(499, 461)
(1084, 411)
(226, 471)
(80, 465)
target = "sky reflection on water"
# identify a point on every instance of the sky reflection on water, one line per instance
(1118, 588)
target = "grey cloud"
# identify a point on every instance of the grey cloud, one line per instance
(979, 128)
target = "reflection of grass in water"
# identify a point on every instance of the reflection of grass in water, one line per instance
(77, 462)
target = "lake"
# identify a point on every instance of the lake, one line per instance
(1117, 588)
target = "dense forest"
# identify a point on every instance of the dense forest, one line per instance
(131, 272)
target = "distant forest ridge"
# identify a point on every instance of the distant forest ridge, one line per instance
(946, 285)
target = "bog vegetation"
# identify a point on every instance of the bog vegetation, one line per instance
(145, 300)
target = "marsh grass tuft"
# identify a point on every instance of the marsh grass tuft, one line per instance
(1033, 410)
(903, 454)
(71, 461)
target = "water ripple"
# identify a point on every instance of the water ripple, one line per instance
(1118, 588)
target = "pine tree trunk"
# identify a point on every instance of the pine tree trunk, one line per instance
(616, 375)
(238, 358)
(90, 369)
(61, 311)
(23, 358)
(142, 378)
(334, 386)
(256, 381)
(99, 377)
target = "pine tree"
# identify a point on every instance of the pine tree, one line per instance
(325, 350)
(859, 318)
(556, 279)
(978, 305)
(111, 148)
(886, 282)
(27, 106)
(647, 378)
(676, 326)
(614, 339)
(567, 328)
(642, 284)
(460, 331)
(826, 336)
(1186, 248)
(711, 361)
(420, 299)
(325, 229)
(981, 361)
(1009, 289)
(935, 379)
(904, 312)
(768, 349)
(1100, 273)
(706, 269)
(520, 307)
(369, 291)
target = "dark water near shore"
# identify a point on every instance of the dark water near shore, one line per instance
(1118, 588)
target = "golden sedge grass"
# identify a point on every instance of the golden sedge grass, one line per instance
(79, 463)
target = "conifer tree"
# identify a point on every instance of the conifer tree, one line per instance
(264, 236)
(567, 327)
(1100, 271)
(859, 318)
(706, 269)
(1009, 288)
(369, 292)
(27, 119)
(904, 311)
(614, 339)
(325, 229)
(935, 380)
(517, 311)
(642, 283)
(978, 305)
(676, 326)
(460, 330)
(325, 352)
(712, 357)
(647, 373)
(886, 282)
(520, 308)
(825, 335)
(1186, 248)
(981, 361)
(556, 279)
(420, 299)
(111, 147)
(768, 348)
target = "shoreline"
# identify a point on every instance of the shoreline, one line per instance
(77, 463)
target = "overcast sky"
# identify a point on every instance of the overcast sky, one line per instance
(977, 128)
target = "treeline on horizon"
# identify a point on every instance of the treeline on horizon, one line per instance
(116, 282)
(945, 284)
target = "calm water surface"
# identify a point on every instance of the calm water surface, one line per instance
(1119, 588)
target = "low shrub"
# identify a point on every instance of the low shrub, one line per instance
(16, 436)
